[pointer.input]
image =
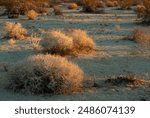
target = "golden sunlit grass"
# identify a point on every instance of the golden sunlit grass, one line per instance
(32, 15)
(45, 74)
(73, 43)
(14, 31)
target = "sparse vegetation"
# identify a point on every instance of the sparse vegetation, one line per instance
(139, 36)
(140, 9)
(14, 8)
(74, 43)
(90, 5)
(72, 6)
(32, 15)
(14, 31)
(41, 53)
(46, 74)
(146, 4)
(129, 80)
(11, 42)
(111, 3)
(56, 42)
(143, 10)
(82, 43)
(125, 4)
(58, 10)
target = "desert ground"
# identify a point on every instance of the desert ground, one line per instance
(113, 56)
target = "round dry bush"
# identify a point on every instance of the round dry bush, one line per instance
(32, 15)
(56, 42)
(140, 36)
(74, 43)
(46, 74)
(82, 43)
(15, 31)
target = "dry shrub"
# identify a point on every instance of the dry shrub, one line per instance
(72, 6)
(46, 74)
(143, 10)
(140, 9)
(140, 36)
(57, 10)
(146, 3)
(56, 42)
(45, 11)
(137, 2)
(16, 7)
(32, 15)
(35, 43)
(15, 30)
(53, 3)
(90, 5)
(101, 4)
(115, 3)
(79, 2)
(111, 3)
(125, 4)
(82, 42)
(129, 80)
(11, 42)
(75, 43)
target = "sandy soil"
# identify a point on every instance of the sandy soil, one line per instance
(113, 57)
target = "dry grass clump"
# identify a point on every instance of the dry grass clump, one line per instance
(72, 6)
(140, 9)
(15, 31)
(129, 80)
(111, 3)
(137, 2)
(11, 42)
(56, 42)
(143, 10)
(125, 4)
(32, 15)
(140, 36)
(57, 10)
(74, 43)
(90, 5)
(46, 74)
(82, 43)
(35, 42)
(146, 4)
(14, 8)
